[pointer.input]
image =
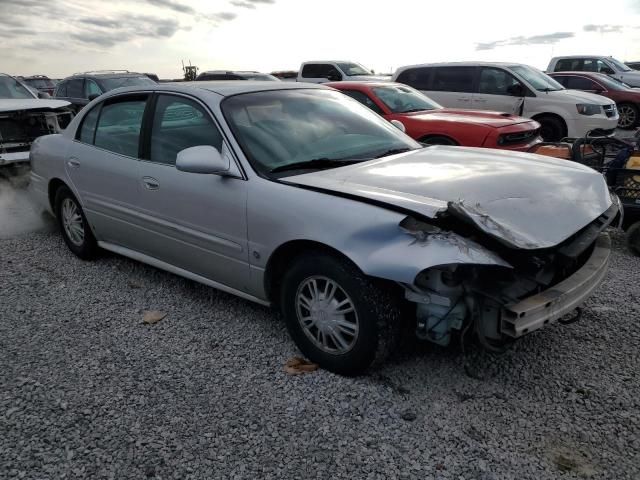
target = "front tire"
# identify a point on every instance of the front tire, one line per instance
(552, 129)
(338, 317)
(74, 226)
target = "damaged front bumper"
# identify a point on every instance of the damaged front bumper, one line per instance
(529, 314)
(14, 157)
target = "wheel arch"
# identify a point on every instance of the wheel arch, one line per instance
(557, 116)
(282, 256)
(430, 136)
(54, 186)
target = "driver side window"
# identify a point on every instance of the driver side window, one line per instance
(495, 81)
(91, 88)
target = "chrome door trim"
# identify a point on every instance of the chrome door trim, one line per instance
(154, 262)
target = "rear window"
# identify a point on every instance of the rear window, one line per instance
(418, 78)
(569, 65)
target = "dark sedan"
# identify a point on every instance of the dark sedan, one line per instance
(627, 98)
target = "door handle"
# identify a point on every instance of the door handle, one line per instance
(73, 162)
(150, 183)
(463, 99)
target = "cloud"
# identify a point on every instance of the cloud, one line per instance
(172, 5)
(545, 39)
(603, 28)
(109, 31)
(251, 3)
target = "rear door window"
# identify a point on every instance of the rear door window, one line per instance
(418, 78)
(61, 89)
(119, 125)
(87, 129)
(453, 79)
(180, 123)
(75, 88)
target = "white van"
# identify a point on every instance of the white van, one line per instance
(516, 89)
(335, 71)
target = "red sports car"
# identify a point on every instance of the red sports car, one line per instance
(430, 123)
(627, 98)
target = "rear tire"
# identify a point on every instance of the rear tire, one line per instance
(338, 317)
(73, 225)
(629, 115)
(552, 129)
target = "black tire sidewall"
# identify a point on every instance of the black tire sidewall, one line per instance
(554, 125)
(633, 238)
(88, 249)
(373, 305)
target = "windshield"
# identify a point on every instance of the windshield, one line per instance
(612, 83)
(403, 99)
(117, 82)
(12, 88)
(619, 65)
(260, 76)
(283, 127)
(538, 80)
(352, 69)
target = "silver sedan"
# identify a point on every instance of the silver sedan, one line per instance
(296, 196)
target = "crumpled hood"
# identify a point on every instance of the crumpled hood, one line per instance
(478, 117)
(525, 201)
(21, 104)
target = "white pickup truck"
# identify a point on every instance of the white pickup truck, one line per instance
(335, 71)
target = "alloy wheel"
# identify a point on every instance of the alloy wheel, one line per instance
(628, 116)
(72, 222)
(327, 315)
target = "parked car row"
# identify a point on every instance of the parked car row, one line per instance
(296, 195)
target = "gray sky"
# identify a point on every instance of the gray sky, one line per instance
(58, 38)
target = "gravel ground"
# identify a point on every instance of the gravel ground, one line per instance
(89, 391)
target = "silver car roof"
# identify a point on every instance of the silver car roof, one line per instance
(223, 88)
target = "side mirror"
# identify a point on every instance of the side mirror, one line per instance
(516, 90)
(43, 95)
(334, 77)
(399, 125)
(202, 159)
(93, 96)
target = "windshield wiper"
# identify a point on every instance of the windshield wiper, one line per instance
(393, 151)
(547, 90)
(411, 110)
(315, 163)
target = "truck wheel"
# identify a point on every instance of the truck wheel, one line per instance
(628, 115)
(552, 129)
(338, 317)
(633, 238)
(74, 226)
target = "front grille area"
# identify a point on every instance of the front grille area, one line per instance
(610, 110)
